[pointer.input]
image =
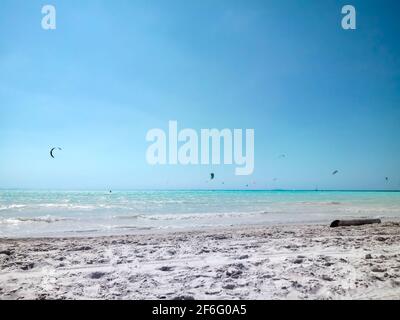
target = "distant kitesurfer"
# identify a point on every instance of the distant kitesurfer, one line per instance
(52, 150)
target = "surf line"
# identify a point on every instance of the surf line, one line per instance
(183, 147)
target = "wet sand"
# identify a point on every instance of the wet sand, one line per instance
(271, 262)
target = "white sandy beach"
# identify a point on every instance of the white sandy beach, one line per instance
(274, 262)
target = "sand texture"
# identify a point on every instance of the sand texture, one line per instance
(274, 262)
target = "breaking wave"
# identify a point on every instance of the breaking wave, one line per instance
(190, 216)
(12, 206)
(321, 203)
(46, 219)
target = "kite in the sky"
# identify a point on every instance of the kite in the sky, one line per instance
(282, 155)
(212, 176)
(335, 172)
(387, 178)
(52, 151)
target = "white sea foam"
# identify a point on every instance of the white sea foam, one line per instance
(18, 220)
(128, 217)
(320, 203)
(12, 206)
(193, 216)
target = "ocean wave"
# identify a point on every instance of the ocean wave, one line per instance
(48, 205)
(199, 216)
(67, 206)
(83, 231)
(12, 206)
(321, 203)
(372, 210)
(127, 217)
(166, 201)
(46, 219)
(132, 228)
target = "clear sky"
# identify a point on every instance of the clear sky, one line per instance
(328, 98)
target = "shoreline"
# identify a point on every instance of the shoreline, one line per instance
(288, 261)
(164, 231)
(77, 235)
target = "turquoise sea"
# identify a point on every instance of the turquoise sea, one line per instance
(69, 213)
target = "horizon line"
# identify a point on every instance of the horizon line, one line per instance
(198, 189)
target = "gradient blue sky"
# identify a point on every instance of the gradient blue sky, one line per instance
(328, 98)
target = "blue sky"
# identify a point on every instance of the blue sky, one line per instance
(112, 70)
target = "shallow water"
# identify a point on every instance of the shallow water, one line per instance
(65, 213)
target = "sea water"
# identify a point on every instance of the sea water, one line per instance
(25, 213)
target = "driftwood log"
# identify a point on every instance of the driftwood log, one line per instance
(357, 222)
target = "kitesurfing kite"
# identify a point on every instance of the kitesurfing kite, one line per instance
(335, 172)
(52, 151)
(212, 176)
